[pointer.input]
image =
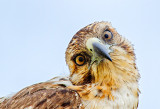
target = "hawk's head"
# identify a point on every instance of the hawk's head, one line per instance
(98, 54)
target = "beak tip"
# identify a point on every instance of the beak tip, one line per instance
(109, 59)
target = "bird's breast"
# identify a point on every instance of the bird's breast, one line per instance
(123, 98)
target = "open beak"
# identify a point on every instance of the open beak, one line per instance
(98, 50)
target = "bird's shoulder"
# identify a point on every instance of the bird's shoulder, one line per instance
(50, 94)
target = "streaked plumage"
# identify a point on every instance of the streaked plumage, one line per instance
(103, 75)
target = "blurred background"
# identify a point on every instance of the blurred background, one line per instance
(34, 35)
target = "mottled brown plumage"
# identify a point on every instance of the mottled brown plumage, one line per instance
(42, 96)
(104, 79)
(103, 75)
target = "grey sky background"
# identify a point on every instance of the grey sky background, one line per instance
(34, 35)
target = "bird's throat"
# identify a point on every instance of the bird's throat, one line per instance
(104, 74)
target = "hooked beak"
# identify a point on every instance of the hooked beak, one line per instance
(98, 50)
(101, 50)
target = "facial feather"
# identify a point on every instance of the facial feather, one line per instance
(105, 78)
(122, 67)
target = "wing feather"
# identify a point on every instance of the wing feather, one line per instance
(43, 96)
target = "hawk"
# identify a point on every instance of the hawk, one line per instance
(103, 75)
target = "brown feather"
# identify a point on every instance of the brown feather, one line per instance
(98, 85)
(43, 96)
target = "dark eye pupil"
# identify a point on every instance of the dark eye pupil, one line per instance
(106, 36)
(80, 59)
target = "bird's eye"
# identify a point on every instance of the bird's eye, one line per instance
(108, 35)
(80, 60)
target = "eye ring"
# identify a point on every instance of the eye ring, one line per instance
(108, 35)
(80, 60)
